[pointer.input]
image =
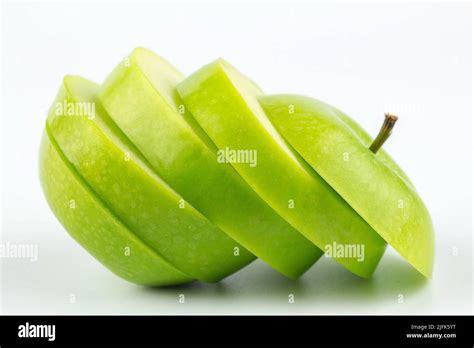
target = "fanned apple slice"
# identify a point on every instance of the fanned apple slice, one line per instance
(142, 200)
(225, 105)
(94, 227)
(140, 96)
(372, 183)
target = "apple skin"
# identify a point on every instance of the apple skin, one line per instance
(372, 184)
(225, 105)
(140, 97)
(118, 174)
(92, 225)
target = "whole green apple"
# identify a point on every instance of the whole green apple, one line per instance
(366, 177)
(141, 200)
(166, 180)
(225, 104)
(140, 97)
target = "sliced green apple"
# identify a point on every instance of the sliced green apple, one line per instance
(140, 96)
(118, 174)
(373, 184)
(225, 105)
(91, 224)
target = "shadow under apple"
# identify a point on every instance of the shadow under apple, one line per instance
(326, 281)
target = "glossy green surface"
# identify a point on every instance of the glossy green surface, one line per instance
(140, 96)
(225, 105)
(94, 226)
(337, 148)
(142, 200)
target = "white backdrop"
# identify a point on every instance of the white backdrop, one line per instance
(412, 60)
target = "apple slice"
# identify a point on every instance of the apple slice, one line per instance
(140, 96)
(225, 105)
(372, 183)
(115, 171)
(92, 225)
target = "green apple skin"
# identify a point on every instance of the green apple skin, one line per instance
(140, 97)
(225, 105)
(95, 227)
(373, 184)
(117, 173)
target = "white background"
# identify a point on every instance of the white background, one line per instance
(412, 60)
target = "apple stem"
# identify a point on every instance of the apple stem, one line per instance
(384, 132)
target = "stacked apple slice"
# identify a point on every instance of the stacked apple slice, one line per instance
(151, 173)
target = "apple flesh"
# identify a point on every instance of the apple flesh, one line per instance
(225, 105)
(117, 173)
(373, 184)
(140, 97)
(95, 227)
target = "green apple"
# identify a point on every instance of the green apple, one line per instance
(140, 97)
(95, 227)
(225, 105)
(372, 183)
(117, 173)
